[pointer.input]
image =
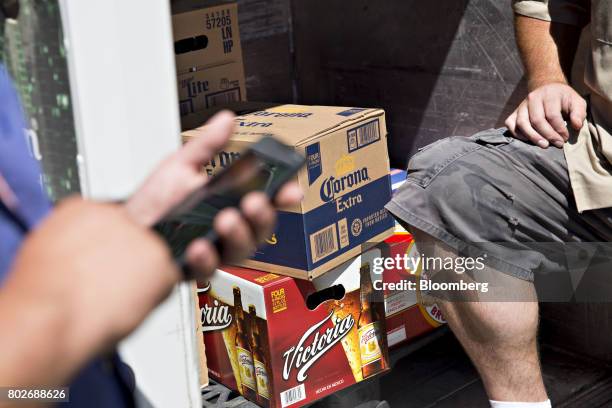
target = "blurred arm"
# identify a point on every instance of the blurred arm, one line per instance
(75, 289)
(36, 349)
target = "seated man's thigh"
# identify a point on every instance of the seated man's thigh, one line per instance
(493, 195)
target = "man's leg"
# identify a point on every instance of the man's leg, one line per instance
(493, 195)
(499, 337)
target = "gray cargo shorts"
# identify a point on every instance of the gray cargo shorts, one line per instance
(493, 194)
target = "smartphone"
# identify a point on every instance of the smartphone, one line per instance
(265, 166)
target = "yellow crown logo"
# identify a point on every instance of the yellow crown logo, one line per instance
(272, 240)
(344, 165)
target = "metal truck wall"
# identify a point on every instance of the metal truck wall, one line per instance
(438, 68)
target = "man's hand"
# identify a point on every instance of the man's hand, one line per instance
(85, 278)
(541, 117)
(547, 51)
(181, 174)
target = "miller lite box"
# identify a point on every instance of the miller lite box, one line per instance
(408, 315)
(284, 342)
(345, 181)
(208, 58)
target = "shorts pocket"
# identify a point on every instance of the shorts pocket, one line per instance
(493, 137)
(427, 164)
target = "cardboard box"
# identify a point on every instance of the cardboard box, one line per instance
(407, 317)
(208, 57)
(345, 184)
(240, 108)
(296, 352)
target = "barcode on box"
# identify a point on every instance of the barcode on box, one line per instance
(293, 395)
(343, 232)
(223, 97)
(323, 243)
(363, 135)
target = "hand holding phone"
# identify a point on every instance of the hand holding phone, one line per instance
(265, 166)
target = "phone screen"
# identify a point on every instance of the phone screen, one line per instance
(194, 217)
(265, 166)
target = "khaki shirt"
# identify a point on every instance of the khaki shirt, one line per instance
(589, 151)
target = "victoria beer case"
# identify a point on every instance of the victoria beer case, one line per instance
(345, 181)
(277, 341)
(407, 315)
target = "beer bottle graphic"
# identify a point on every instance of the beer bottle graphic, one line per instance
(243, 350)
(369, 328)
(349, 305)
(259, 360)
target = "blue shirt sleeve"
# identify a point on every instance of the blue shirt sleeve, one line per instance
(21, 171)
(103, 382)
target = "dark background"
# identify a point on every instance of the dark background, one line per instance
(438, 68)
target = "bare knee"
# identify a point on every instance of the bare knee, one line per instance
(500, 323)
(490, 320)
(499, 337)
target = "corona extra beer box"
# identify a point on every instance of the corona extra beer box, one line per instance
(345, 183)
(407, 316)
(285, 342)
(208, 57)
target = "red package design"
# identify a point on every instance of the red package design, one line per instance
(285, 342)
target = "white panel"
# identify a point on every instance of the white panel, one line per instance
(222, 287)
(162, 355)
(347, 274)
(123, 88)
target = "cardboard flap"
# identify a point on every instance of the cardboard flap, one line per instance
(347, 274)
(297, 124)
(258, 278)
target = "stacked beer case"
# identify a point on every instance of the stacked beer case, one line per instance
(301, 320)
(268, 336)
(210, 72)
